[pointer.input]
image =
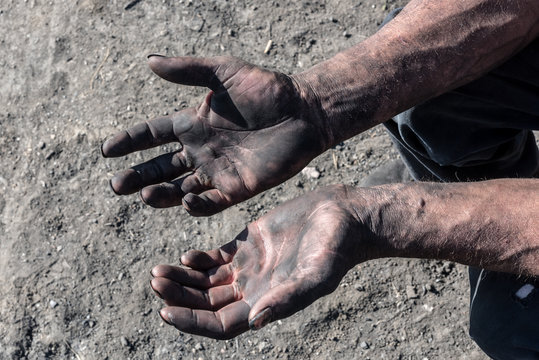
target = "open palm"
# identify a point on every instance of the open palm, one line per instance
(277, 266)
(253, 131)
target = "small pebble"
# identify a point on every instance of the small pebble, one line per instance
(199, 346)
(147, 311)
(53, 304)
(364, 345)
(262, 346)
(50, 155)
(124, 341)
(411, 292)
(311, 172)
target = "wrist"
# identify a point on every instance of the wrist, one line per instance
(311, 108)
(367, 208)
(387, 219)
(346, 94)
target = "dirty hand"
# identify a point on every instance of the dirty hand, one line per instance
(277, 266)
(255, 129)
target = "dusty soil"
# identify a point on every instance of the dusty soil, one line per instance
(75, 258)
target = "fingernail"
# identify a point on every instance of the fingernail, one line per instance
(142, 197)
(114, 191)
(193, 202)
(158, 55)
(164, 318)
(157, 292)
(261, 319)
(102, 152)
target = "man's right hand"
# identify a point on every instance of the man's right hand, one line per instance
(254, 130)
(278, 265)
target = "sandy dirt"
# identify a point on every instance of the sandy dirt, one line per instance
(75, 258)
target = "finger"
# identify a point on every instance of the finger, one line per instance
(224, 324)
(204, 260)
(213, 298)
(186, 70)
(171, 194)
(140, 137)
(208, 203)
(281, 302)
(162, 168)
(217, 276)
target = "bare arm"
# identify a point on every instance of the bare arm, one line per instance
(300, 251)
(491, 224)
(429, 48)
(258, 128)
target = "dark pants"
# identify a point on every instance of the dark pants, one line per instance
(482, 131)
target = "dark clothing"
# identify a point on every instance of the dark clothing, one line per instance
(482, 131)
(478, 131)
(504, 314)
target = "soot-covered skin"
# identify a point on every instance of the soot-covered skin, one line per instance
(253, 131)
(277, 266)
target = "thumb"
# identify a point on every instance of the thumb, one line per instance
(186, 70)
(279, 303)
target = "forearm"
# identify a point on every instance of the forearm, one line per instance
(491, 224)
(430, 48)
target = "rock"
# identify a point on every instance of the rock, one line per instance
(392, 172)
(431, 288)
(311, 172)
(411, 292)
(146, 312)
(196, 23)
(199, 346)
(447, 268)
(50, 155)
(53, 304)
(124, 341)
(364, 345)
(262, 346)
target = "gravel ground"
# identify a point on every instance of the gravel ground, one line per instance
(75, 258)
